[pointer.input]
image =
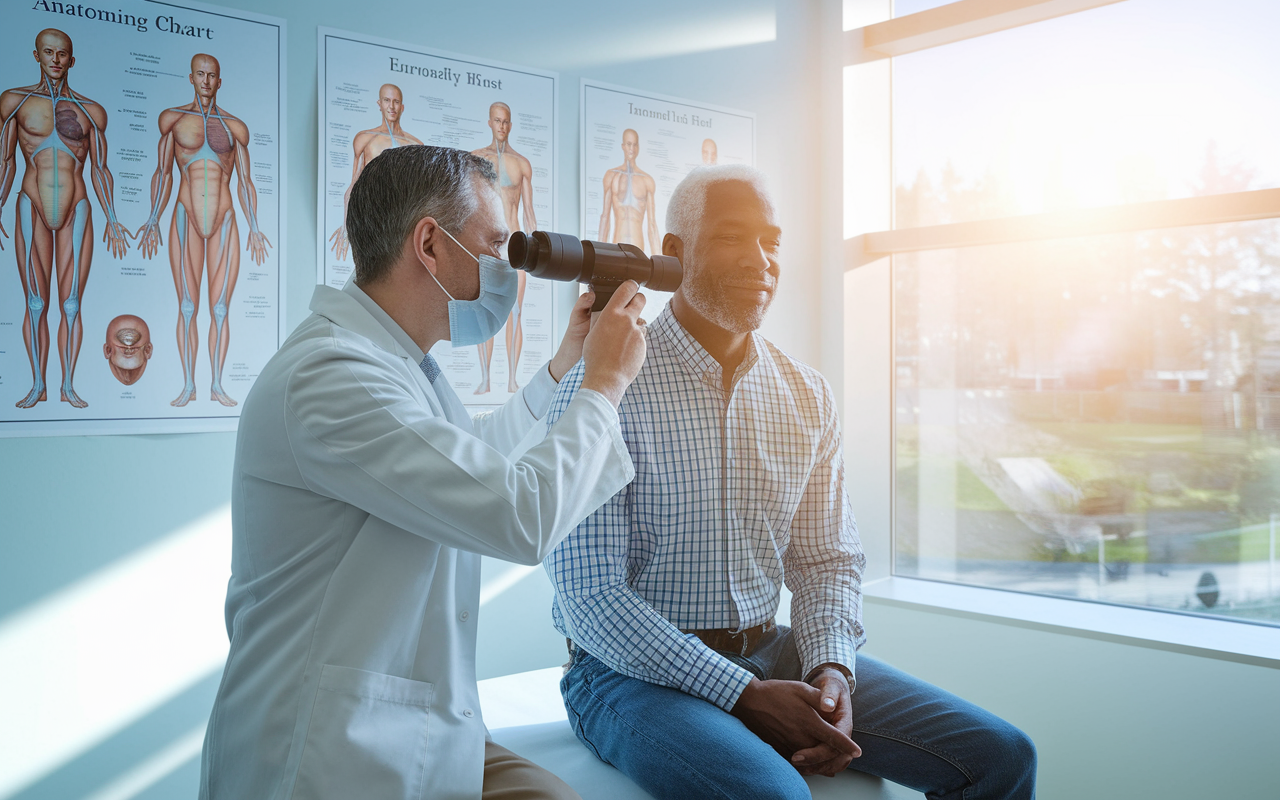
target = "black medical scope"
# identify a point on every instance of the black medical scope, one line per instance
(604, 266)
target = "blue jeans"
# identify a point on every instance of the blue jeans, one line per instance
(675, 745)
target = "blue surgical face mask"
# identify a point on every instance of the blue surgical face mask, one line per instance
(477, 321)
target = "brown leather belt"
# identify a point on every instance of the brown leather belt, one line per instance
(743, 642)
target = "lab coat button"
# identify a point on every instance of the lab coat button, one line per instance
(468, 713)
(464, 616)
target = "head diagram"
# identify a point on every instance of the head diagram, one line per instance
(128, 348)
(630, 144)
(206, 75)
(390, 102)
(53, 51)
(500, 121)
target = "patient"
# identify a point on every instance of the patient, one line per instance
(679, 676)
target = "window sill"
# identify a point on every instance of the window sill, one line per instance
(1242, 642)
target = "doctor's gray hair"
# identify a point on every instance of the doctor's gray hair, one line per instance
(689, 200)
(400, 187)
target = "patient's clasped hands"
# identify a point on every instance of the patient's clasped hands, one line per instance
(809, 724)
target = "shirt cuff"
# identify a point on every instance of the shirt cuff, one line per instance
(539, 391)
(843, 653)
(730, 690)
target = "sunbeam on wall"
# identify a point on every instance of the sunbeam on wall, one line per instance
(84, 663)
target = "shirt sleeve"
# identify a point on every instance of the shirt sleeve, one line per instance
(824, 560)
(361, 434)
(607, 618)
(506, 427)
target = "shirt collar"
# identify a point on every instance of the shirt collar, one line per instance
(693, 355)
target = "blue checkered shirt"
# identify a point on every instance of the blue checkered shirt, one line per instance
(730, 499)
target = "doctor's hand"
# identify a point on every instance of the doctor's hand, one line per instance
(571, 345)
(614, 349)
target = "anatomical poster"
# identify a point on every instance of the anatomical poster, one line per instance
(375, 95)
(636, 146)
(141, 178)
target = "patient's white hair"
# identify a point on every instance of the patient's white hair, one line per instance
(689, 200)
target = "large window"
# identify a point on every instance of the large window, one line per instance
(1085, 281)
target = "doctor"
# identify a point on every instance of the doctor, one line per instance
(363, 497)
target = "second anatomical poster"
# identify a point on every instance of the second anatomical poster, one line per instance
(636, 146)
(376, 95)
(140, 208)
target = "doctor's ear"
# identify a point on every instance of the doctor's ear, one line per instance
(426, 238)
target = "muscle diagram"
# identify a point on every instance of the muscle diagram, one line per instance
(368, 145)
(127, 348)
(208, 144)
(515, 186)
(59, 131)
(628, 199)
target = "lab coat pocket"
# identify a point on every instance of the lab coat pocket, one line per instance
(367, 737)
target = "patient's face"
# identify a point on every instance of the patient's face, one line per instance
(732, 273)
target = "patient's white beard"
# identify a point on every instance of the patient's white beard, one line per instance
(711, 301)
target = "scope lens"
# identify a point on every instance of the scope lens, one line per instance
(519, 251)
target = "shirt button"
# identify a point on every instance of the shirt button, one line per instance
(464, 616)
(468, 713)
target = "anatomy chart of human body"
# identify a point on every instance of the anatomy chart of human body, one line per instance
(376, 94)
(109, 113)
(636, 146)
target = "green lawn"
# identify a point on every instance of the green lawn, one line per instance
(1233, 477)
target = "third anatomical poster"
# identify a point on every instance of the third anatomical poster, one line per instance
(636, 146)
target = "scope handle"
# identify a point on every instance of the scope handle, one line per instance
(603, 295)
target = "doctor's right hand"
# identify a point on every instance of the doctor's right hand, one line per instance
(614, 349)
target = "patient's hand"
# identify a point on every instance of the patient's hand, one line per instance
(833, 705)
(785, 714)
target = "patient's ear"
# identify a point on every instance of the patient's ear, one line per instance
(672, 246)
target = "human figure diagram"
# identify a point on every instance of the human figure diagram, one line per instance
(59, 132)
(515, 187)
(208, 144)
(367, 146)
(629, 201)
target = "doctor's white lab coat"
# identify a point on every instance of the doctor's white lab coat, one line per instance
(362, 499)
